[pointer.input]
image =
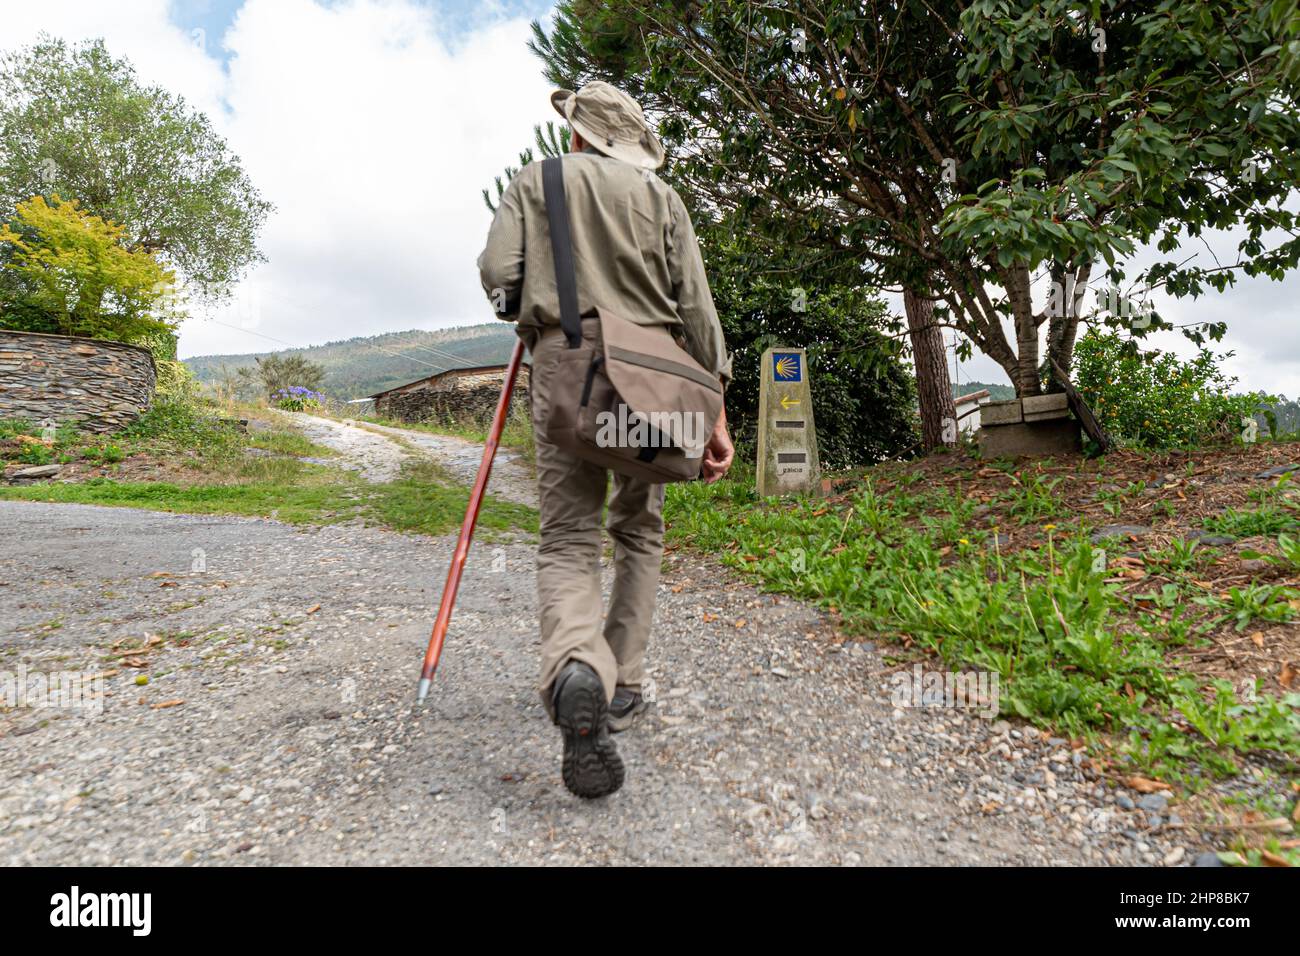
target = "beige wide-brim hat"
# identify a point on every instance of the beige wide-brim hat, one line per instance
(611, 122)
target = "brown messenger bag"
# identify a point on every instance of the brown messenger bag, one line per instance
(626, 397)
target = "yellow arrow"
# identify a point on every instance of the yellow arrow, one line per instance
(787, 402)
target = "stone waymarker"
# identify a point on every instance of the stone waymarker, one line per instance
(787, 440)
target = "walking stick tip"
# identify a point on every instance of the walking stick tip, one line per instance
(423, 690)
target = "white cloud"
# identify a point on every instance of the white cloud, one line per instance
(372, 136)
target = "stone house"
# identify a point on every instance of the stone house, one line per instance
(461, 395)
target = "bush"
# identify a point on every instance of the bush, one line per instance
(295, 398)
(863, 397)
(176, 381)
(1152, 399)
(180, 423)
(36, 454)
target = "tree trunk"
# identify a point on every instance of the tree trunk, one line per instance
(933, 388)
(1063, 326)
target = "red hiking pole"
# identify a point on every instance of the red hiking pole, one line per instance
(467, 526)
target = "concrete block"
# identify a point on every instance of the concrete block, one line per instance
(1035, 439)
(1001, 413)
(1041, 408)
(1044, 403)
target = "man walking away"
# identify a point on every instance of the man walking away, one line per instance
(636, 254)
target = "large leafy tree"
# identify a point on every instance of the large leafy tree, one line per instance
(972, 151)
(65, 271)
(77, 122)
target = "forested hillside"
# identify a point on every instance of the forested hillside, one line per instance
(997, 393)
(365, 365)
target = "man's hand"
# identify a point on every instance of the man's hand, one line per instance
(719, 451)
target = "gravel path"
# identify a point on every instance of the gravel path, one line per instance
(377, 458)
(377, 451)
(295, 655)
(512, 477)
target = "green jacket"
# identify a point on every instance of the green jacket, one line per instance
(634, 250)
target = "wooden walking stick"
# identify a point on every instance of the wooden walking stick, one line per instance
(467, 527)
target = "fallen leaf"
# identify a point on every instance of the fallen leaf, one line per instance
(1287, 676)
(1145, 785)
(165, 704)
(162, 574)
(313, 609)
(1272, 859)
(1257, 638)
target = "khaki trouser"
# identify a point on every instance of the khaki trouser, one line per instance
(571, 495)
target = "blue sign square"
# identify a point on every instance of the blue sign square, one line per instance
(787, 367)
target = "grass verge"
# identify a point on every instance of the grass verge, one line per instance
(997, 571)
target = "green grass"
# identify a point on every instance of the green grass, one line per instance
(287, 442)
(1072, 651)
(414, 503)
(1267, 520)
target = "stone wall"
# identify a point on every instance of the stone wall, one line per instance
(101, 385)
(470, 398)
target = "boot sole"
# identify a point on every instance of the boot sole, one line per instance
(592, 767)
(618, 724)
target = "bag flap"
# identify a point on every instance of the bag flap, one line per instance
(660, 382)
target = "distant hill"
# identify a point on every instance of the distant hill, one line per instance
(997, 393)
(365, 365)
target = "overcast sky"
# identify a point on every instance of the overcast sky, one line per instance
(374, 124)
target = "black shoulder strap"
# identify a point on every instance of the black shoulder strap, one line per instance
(557, 217)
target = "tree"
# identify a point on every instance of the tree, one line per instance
(276, 372)
(76, 122)
(969, 151)
(68, 272)
(591, 41)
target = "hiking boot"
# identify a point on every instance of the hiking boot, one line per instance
(625, 708)
(591, 767)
